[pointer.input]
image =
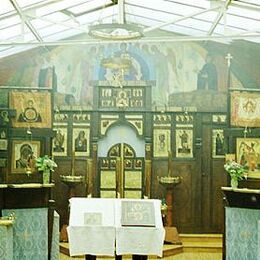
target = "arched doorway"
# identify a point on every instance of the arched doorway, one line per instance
(121, 164)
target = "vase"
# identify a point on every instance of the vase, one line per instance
(46, 177)
(234, 183)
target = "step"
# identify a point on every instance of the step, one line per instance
(214, 238)
(202, 242)
(169, 250)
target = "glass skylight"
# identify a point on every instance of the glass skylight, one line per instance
(56, 20)
(6, 7)
(88, 5)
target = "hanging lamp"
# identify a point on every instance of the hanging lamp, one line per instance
(116, 31)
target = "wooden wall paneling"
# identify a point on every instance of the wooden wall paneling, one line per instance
(206, 195)
(190, 197)
(183, 197)
(61, 195)
(159, 168)
(148, 130)
(89, 177)
(196, 174)
(213, 178)
(147, 178)
(5, 119)
(219, 179)
(80, 170)
(185, 212)
(95, 169)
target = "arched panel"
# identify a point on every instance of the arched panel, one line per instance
(121, 134)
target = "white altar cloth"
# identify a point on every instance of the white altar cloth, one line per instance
(140, 240)
(80, 206)
(93, 240)
(110, 236)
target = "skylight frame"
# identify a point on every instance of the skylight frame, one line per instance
(80, 9)
(240, 17)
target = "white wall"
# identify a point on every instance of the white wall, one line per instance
(121, 134)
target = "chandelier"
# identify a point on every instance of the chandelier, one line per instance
(116, 31)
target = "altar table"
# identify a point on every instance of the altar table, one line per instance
(108, 236)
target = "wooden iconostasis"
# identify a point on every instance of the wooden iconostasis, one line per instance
(121, 146)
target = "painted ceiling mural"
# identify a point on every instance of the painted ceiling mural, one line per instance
(176, 68)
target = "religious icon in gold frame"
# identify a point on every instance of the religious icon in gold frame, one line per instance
(244, 109)
(81, 141)
(161, 142)
(59, 141)
(24, 154)
(248, 155)
(184, 143)
(218, 150)
(33, 109)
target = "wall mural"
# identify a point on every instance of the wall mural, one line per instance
(177, 68)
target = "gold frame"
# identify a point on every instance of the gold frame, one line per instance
(161, 147)
(248, 154)
(184, 152)
(75, 134)
(17, 146)
(60, 150)
(244, 109)
(33, 109)
(214, 143)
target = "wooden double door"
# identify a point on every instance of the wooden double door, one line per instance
(121, 173)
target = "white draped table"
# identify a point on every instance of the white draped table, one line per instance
(109, 236)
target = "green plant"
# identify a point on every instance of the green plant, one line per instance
(235, 170)
(45, 163)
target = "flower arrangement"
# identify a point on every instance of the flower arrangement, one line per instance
(45, 163)
(235, 170)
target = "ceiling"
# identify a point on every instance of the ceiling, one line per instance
(25, 24)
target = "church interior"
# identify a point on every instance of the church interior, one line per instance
(124, 120)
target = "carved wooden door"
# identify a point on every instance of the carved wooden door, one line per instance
(121, 173)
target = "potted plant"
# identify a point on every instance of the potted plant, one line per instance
(236, 172)
(45, 165)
